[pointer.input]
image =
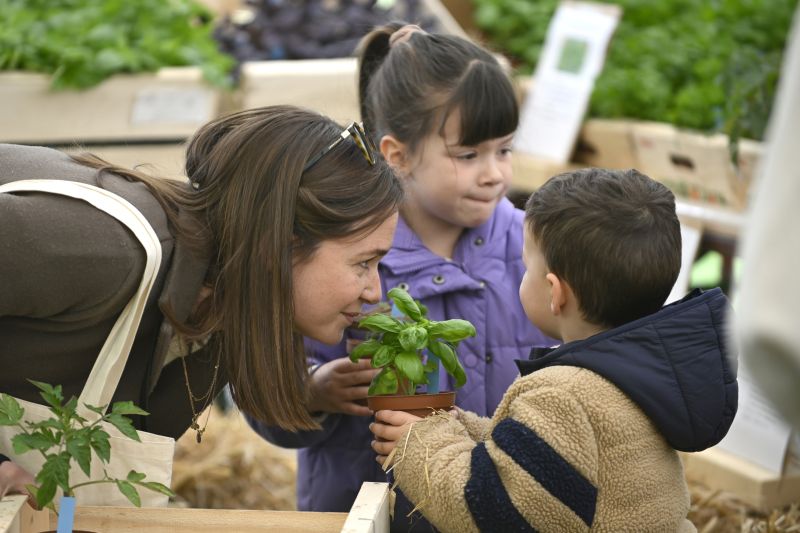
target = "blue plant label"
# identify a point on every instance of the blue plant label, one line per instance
(66, 514)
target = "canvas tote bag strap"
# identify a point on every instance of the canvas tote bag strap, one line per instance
(107, 370)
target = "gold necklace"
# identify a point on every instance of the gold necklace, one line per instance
(208, 396)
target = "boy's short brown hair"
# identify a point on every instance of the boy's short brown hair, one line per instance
(613, 236)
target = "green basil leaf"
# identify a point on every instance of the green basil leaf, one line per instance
(365, 349)
(410, 365)
(451, 330)
(405, 303)
(384, 383)
(413, 338)
(380, 323)
(384, 356)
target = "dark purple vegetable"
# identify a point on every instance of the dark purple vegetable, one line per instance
(306, 29)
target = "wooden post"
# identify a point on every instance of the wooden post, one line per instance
(370, 511)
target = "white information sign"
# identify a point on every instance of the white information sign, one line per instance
(758, 433)
(173, 106)
(572, 57)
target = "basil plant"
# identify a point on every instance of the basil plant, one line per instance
(398, 346)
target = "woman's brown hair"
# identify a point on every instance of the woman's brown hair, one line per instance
(265, 214)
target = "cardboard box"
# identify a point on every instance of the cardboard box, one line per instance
(606, 143)
(754, 485)
(695, 166)
(168, 105)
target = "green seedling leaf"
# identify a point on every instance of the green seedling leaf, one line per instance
(10, 410)
(365, 349)
(157, 487)
(99, 410)
(70, 406)
(451, 330)
(413, 338)
(124, 425)
(405, 303)
(384, 383)
(45, 493)
(135, 477)
(410, 365)
(380, 323)
(430, 366)
(80, 449)
(55, 470)
(130, 492)
(127, 408)
(51, 395)
(98, 439)
(31, 441)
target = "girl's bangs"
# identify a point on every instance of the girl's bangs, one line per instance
(487, 105)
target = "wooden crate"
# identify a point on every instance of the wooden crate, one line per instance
(754, 485)
(168, 105)
(369, 514)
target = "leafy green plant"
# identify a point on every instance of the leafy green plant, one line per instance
(398, 346)
(711, 66)
(67, 437)
(82, 42)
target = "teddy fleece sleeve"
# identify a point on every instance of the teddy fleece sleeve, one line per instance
(477, 426)
(535, 472)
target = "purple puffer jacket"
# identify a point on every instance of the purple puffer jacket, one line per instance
(480, 284)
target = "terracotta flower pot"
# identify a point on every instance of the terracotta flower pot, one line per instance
(418, 404)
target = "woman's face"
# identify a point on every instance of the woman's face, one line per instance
(331, 286)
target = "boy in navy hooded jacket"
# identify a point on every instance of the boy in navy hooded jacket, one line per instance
(586, 438)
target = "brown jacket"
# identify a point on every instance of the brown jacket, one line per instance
(66, 271)
(590, 430)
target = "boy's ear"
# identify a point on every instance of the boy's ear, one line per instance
(394, 152)
(558, 293)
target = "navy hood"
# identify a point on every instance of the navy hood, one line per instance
(675, 364)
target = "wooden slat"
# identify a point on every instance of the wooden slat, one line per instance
(172, 520)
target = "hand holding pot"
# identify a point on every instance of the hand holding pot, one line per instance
(388, 428)
(340, 386)
(13, 480)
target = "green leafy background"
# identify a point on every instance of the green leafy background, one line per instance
(710, 65)
(82, 42)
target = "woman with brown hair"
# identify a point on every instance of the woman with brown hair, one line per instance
(276, 236)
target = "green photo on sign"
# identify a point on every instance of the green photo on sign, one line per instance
(573, 54)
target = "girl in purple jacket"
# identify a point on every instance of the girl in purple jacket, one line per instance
(443, 113)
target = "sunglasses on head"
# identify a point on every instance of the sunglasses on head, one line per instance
(354, 131)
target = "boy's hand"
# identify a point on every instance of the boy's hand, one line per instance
(340, 386)
(388, 428)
